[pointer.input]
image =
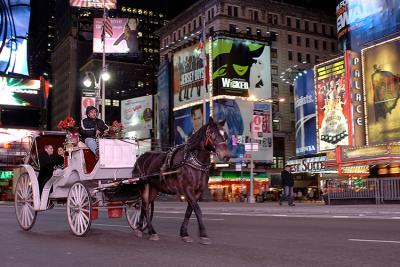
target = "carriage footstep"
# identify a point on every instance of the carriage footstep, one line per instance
(205, 241)
(187, 239)
(138, 233)
(154, 237)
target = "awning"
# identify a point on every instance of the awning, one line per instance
(232, 176)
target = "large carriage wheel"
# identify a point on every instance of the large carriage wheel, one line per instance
(135, 217)
(79, 209)
(23, 201)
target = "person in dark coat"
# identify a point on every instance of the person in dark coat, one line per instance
(287, 185)
(60, 156)
(47, 162)
(92, 127)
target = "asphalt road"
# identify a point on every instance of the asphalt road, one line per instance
(238, 240)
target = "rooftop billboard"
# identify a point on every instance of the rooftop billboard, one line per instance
(109, 4)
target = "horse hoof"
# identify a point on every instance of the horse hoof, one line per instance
(205, 241)
(138, 233)
(187, 239)
(154, 237)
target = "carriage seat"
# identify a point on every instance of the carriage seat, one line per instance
(90, 160)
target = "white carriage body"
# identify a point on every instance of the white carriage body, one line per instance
(116, 161)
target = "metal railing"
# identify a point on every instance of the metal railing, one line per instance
(374, 189)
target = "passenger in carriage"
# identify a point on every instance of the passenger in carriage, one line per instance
(47, 162)
(92, 127)
(60, 156)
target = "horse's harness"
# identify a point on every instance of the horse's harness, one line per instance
(189, 157)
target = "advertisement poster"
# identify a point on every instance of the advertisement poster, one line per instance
(362, 21)
(187, 121)
(241, 68)
(382, 89)
(333, 106)
(137, 115)
(14, 28)
(306, 136)
(109, 4)
(20, 92)
(163, 104)
(124, 38)
(239, 115)
(86, 102)
(188, 76)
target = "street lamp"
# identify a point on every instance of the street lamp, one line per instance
(254, 99)
(87, 82)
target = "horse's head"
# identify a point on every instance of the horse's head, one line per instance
(216, 139)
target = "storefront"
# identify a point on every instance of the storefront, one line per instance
(234, 186)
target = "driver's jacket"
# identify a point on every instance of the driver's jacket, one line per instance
(89, 126)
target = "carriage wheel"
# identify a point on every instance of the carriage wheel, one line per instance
(135, 217)
(23, 202)
(79, 209)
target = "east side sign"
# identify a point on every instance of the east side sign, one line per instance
(315, 164)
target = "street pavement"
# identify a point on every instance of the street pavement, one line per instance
(261, 234)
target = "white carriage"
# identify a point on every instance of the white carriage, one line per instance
(85, 184)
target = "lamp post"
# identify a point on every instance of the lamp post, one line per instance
(255, 100)
(87, 82)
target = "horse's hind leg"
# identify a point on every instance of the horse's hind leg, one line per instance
(183, 232)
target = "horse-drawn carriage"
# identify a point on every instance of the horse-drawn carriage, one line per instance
(118, 176)
(84, 184)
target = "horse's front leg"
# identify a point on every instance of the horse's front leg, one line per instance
(183, 232)
(192, 200)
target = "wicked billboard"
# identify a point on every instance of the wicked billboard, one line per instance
(241, 68)
(188, 75)
(382, 90)
(333, 105)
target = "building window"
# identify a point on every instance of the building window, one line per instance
(274, 70)
(194, 24)
(189, 27)
(233, 11)
(274, 36)
(200, 23)
(306, 26)
(274, 53)
(211, 30)
(291, 90)
(324, 45)
(275, 90)
(333, 47)
(276, 125)
(290, 55)
(248, 30)
(331, 30)
(316, 59)
(315, 27)
(291, 107)
(316, 44)
(212, 13)
(298, 40)
(308, 58)
(278, 162)
(289, 39)
(253, 15)
(115, 103)
(299, 57)
(289, 21)
(323, 29)
(184, 30)
(307, 42)
(297, 24)
(272, 19)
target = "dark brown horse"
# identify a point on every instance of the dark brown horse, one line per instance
(186, 172)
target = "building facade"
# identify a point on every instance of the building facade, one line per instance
(298, 38)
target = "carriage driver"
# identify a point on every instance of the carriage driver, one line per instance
(92, 127)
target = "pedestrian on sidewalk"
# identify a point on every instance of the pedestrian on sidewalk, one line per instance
(287, 185)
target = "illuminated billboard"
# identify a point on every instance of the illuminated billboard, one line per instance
(333, 105)
(306, 139)
(187, 121)
(239, 115)
(137, 116)
(163, 103)
(188, 75)
(14, 27)
(109, 4)
(124, 38)
(381, 75)
(241, 68)
(20, 92)
(362, 21)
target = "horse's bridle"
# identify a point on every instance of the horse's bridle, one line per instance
(208, 140)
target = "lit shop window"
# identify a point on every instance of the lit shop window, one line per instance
(115, 103)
